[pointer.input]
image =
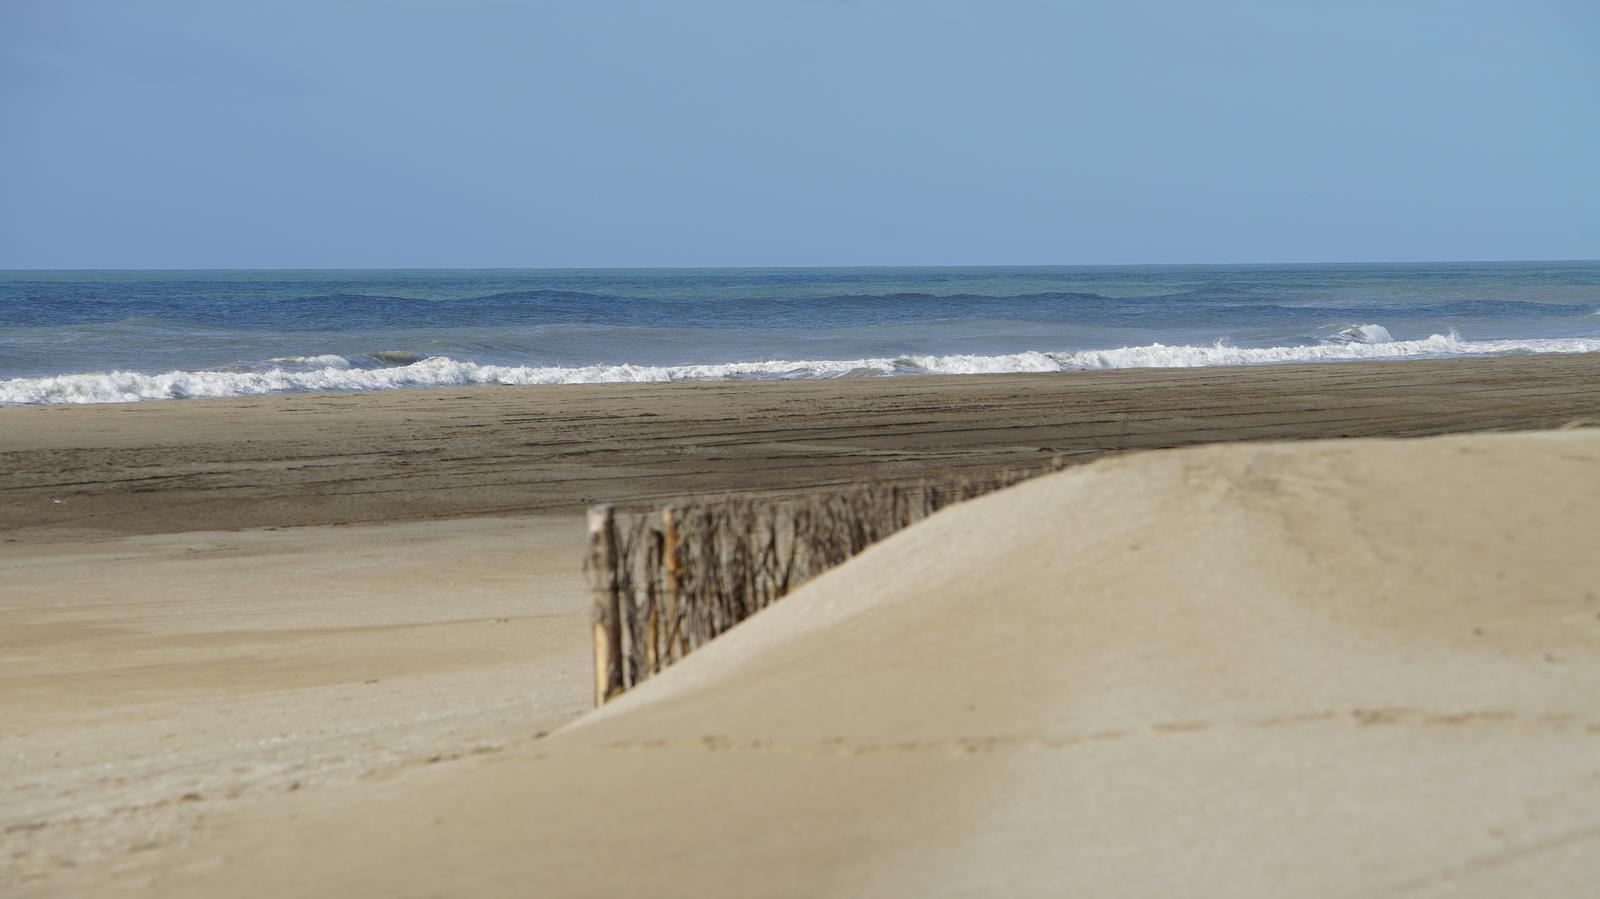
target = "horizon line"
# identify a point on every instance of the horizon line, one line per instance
(579, 268)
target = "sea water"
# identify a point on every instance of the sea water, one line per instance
(102, 336)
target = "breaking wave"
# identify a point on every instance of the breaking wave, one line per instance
(329, 360)
(1361, 334)
(338, 373)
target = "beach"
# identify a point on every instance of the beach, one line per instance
(822, 449)
(282, 461)
(241, 632)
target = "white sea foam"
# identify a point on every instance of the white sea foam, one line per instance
(440, 371)
(1361, 334)
(326, 360)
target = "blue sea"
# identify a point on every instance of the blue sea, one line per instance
(101, 336)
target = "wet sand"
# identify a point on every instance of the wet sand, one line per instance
(408, 455)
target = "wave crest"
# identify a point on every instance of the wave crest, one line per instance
(1360, 334)
(441, 371)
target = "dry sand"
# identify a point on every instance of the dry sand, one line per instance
(1329, 668)
(1358, 668)
(150, 682)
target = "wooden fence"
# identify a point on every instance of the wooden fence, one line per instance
(664, 582)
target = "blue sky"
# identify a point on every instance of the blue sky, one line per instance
(795, 132)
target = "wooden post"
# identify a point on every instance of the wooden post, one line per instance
(606, 603)
(671, 565)
(652, 613)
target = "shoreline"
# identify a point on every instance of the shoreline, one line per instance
(335, 373)
(71, 472)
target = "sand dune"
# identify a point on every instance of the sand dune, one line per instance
(1347, 668)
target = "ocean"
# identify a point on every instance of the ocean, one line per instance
(103, 336)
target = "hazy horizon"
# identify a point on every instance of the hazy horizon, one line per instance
(999, 265)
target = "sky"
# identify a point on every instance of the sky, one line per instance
(592, 133)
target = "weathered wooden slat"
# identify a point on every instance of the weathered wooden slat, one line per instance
(605, 596)
(690, 571)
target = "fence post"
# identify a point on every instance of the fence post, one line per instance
(671, 565)
(652, 606)
(605, 599)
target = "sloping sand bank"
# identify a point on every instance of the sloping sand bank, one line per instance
(1336, 668)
